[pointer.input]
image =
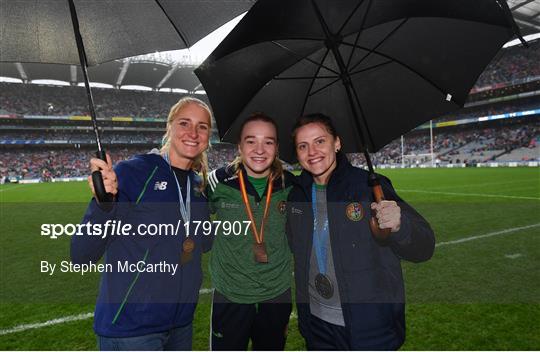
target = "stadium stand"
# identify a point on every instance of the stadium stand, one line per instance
(73, 137)
(32, 99)
(515, 141)
(523, 153)
(18, 164)
(503, 142)
(512, 64)
(495, 108)
(46, 133)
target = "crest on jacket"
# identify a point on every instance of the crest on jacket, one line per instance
(354, 211)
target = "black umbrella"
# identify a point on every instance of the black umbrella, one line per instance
(90, 32)
(379, 68)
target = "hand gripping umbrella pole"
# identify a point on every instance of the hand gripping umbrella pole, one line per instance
(332, 42)
(105, 199)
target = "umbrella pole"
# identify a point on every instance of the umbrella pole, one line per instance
(332, 42)
(102, 196)
(373, 180)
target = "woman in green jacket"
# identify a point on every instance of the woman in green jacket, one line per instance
(251, 268)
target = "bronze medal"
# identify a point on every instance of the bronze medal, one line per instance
(188, 245)
(185, 257)
(324, 286)
(187, 251)
(259, 250)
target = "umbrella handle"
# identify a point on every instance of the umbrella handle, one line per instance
(105, 200)
(378, 233)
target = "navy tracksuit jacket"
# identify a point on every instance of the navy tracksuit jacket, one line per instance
(132, 303)
(368, 273)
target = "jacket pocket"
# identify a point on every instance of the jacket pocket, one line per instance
(377, 326)
(375, 285)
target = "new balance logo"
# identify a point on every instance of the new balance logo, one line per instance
(160, 185)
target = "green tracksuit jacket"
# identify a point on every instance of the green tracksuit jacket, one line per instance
(233, 269)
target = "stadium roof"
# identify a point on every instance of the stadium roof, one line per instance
(526, 14)
(116, 73)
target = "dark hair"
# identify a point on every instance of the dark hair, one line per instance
(258, 116)
(314, 118)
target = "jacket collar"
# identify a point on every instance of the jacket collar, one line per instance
(305, 180)
(277, 183)
(163, 163)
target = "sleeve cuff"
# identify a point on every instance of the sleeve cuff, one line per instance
(98, 214)
(403, 236)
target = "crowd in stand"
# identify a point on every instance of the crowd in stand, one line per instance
(504, 91)
(505, 107)
(418, 143)
(448, 144)
(27, 99)
(72, 162)
(220, 154)
(83, 137)
(510, 138)
(31, 99)
(512, 64)
(33, 163)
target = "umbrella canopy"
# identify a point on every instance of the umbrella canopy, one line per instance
(377, 68)
(89, 32)
(42, 31)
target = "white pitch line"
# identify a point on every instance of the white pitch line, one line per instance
(10, 188)
(84, 316)
(491, 234)
(62, 320)
(66, 319)
(482, 184)
(467, 194)
(513, 256)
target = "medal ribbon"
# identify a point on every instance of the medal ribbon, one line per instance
(185, 209)
(320, 235)
(259, 237)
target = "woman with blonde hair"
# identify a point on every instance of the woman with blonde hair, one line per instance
(150, 306)
(251, 272)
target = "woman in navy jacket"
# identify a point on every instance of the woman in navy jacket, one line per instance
(349, 286)
(152, 306)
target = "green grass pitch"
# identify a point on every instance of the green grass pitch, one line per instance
(480, 291)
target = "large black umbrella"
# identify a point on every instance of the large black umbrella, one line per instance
(90, 32)
(379, 68)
